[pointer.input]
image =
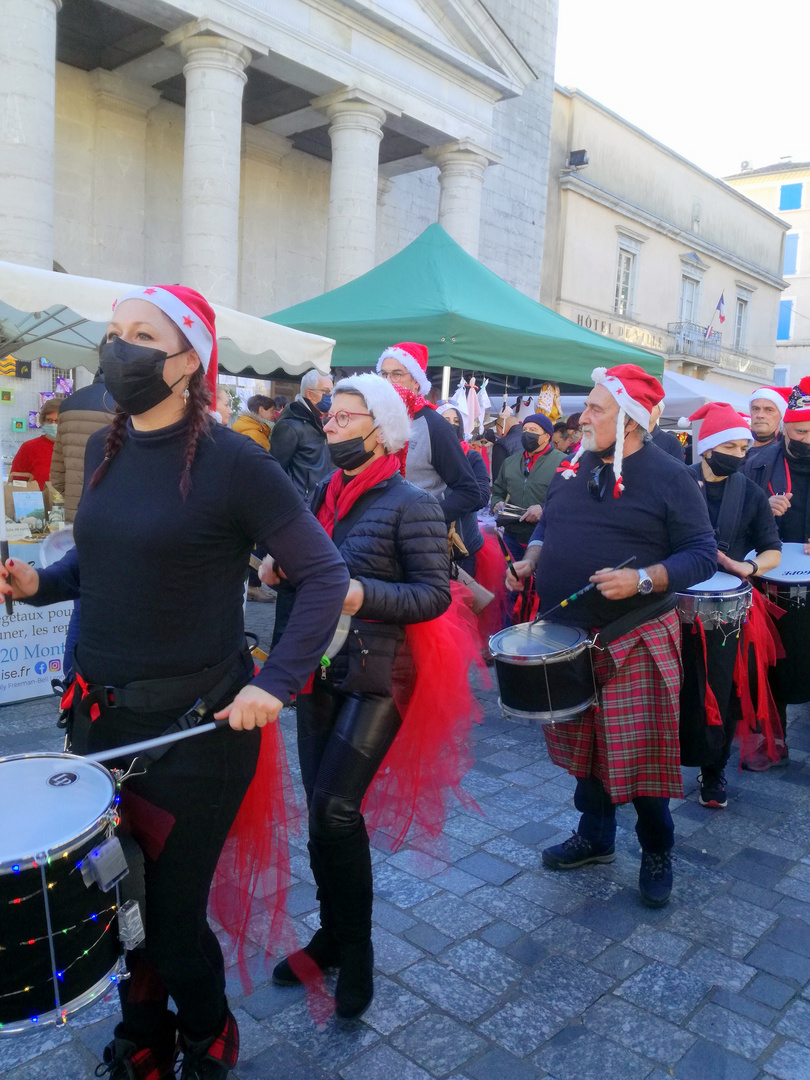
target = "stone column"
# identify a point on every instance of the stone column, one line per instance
(27, 94)
(355, 130)
(215, 78)
(119, 188)
(262, 157)
(461, 179)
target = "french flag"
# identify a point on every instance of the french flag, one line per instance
(720, 311)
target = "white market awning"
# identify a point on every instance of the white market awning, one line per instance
(63, 317)
(683, 395)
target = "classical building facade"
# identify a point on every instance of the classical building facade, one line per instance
(263, 152)
(784, 190)
(641, 245)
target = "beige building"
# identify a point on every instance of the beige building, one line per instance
(641, 245)
(784, 189)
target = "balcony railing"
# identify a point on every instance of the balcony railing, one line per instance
(690, 340)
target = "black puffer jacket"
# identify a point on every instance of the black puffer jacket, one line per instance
(394, 541)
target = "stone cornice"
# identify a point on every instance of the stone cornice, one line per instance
(353, 95)
(215, 29)
(263, 146)
(461, 150)
(580, 186)
(119, 95)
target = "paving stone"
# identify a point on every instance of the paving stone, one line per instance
(565, 985)
(770, 991)
(618, 962)
(564, 936)
(794, 909)
(522, 913)
(547, 890)
(746, 890)
(717, 968)
(400, 888)
(418, 863)
(280, 1060)
(694, 925)
(16, 1049)
(507, 848)
(69, 1062)
(603, 918)
(453, 916)
(799, 890)
(658, 944)
(329, 1046)
(522, 1026)
(437, 1043)
(383, 1063)
(484, 965)
(502, 1064)
(451, 992)
(443, 846)
(637, 1029)
(757, 867)
(471, 830)
(489, 868)
(778, 961)
(390, 917)
(301, 898)
(707, 1060)
(527, 952)
(500, 934)
(790, 1062)
(578, 1054)
(456, 881)
(743, 1005)
(734, 1032)
(792, 934)
(392, 1006)
(268, 1000)
(428, 938)
(668, 991)
(796, 1022)
(535, 832)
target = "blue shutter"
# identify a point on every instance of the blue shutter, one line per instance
(790, 197)
(791, 253)
(783, 326)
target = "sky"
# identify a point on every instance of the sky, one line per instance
(713, 80)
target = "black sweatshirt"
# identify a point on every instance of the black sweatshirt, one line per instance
(757, 530)
(161, 579)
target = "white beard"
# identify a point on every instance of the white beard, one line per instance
(588, 441)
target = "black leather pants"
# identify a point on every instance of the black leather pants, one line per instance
(342, 740)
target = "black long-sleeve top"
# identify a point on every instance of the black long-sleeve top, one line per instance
(756, 531)
(660, 517)
(161, 579)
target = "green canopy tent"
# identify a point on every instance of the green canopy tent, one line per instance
(435, 293)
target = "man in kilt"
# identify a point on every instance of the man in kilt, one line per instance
(622, 497)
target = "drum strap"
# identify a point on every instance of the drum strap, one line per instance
(731, 507)
(625, 623)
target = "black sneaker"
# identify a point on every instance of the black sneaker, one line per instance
(576, 851)
(713, 790)
(655, 878)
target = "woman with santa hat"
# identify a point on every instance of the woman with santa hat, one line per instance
(375, 750)
(173, 503)
(742, 522)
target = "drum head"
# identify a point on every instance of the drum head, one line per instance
(47, 800)
(537, 639)
(717, 583)
(56, 545)
(794, 569)
(341, 633)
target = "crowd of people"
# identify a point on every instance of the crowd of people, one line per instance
(363, 501)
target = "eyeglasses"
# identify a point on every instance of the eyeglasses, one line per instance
(342, 418)
(596, 489)
(395, 376)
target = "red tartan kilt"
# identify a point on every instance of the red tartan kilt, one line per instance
(631, 740)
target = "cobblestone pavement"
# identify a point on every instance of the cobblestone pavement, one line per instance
(491, 968)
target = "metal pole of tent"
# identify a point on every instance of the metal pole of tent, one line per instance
(445, 383)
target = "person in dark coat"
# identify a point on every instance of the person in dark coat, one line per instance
(664, 440)
(468, 526)
(508, 444)
(393, 538)
(767, 406)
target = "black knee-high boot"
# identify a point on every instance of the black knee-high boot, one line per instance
(346, 866)
(323, 948)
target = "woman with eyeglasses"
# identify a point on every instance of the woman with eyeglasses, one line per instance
(401, 647)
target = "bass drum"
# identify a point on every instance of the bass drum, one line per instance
(545, 672)
(58, 936)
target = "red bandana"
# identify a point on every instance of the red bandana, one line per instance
(413, 401)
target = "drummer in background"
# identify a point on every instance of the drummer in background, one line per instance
(620, 496)
(664, 440)
(172, 505)
(767, 409)
(468, 525)
(782, 471)
(743, 522)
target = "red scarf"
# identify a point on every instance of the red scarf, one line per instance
(343, 493)
(413, 401)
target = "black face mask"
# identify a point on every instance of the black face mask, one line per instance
(764, 438)
(530, 441)
(798, 450)
(724, 464)
(351, 453)
(134, 375)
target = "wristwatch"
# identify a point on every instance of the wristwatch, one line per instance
(645, 585)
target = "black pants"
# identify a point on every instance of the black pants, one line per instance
(342, 740)
(192, 794)
(704, 745)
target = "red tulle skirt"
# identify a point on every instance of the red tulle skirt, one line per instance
(490, 571)
(759, 729)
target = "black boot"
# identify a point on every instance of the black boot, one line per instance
(346, 865)
(323, 949)
(211, 1058)
(126, 1058)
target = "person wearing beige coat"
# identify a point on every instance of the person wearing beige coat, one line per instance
(81, 414)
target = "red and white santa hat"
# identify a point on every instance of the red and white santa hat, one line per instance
(194, 318)
(412, 356)
(636, 392)
(777, 394)
(798, 409)
(720, 424)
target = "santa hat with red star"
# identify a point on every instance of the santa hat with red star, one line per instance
(777, 394)
(798, 409)
(412, 356)
(194, 318)
(720, 424)
(635, 392)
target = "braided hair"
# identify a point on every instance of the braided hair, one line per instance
(196, 410)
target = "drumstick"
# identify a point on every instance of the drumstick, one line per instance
(580, 592)
(151, 744)
(4, 556)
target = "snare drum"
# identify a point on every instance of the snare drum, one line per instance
(722, 600)
(545, 672)
(788, 585)
(59, 946)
